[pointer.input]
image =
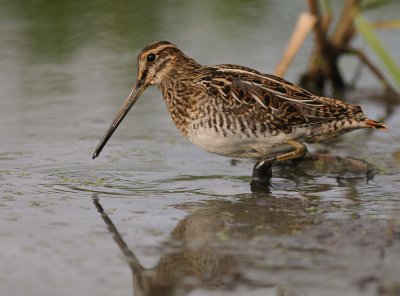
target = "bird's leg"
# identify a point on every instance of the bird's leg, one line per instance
(262, 171)
(299, 150)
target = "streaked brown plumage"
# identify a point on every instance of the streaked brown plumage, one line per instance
(236, 111)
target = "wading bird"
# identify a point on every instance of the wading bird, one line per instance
(239, 112)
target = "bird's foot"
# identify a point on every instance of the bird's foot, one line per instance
(262, 173)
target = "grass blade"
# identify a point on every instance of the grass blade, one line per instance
(375, 43)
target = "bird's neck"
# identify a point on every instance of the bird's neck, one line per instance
(179, 90)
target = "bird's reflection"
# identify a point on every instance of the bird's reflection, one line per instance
(315, 164)
(207, 256)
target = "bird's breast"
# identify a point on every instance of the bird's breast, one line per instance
(185, 104)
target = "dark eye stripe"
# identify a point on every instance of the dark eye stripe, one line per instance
(162, 64)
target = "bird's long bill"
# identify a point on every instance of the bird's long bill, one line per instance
(129, 102)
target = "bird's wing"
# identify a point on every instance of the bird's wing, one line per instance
(270, 99)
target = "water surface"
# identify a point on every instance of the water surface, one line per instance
(176, 219)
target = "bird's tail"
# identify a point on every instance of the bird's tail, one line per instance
(375, 124)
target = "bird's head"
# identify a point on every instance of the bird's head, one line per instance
(155, 64)
(156, 61)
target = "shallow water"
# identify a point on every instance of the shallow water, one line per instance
(176, 220)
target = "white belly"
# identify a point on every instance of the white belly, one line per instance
(241, 146)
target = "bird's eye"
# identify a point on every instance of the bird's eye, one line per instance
(151, 57)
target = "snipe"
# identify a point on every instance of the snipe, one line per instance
(238, 112)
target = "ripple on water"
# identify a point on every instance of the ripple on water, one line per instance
(207, 180)
(122, 180)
